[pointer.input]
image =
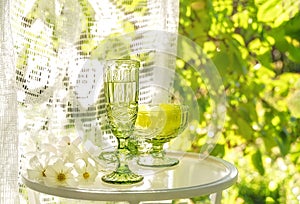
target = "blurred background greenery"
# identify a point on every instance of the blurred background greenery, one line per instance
(255, 44)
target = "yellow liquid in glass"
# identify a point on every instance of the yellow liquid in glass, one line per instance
(165, 116)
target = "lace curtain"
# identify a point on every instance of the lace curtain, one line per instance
(50, 51)
(8, 112)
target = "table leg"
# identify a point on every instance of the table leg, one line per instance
(33, 196)
(216, 197)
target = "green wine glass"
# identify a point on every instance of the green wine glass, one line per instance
(170, 119)
(121, 85)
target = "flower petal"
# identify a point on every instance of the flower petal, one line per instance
(35, 163)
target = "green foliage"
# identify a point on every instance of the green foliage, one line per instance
(255, 45)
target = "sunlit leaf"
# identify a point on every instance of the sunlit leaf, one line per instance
(283, 142)
(292, 27)
(221, 60)
(293, 103)
(269, 10)
(257, 162)
(245, 128)
(218, 151)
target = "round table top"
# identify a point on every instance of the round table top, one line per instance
(190, 178)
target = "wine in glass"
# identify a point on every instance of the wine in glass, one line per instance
(169, 120)
(150, 122)
(121, 81)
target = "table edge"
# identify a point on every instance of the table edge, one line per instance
(141, 195)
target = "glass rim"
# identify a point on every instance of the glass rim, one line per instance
(126, 60)
(183, 107)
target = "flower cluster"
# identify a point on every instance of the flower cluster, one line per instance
(64, 165)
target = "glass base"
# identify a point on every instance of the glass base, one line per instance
(122, 176)
(152, 161)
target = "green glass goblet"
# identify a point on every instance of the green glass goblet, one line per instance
(121, 82)
(170, 119)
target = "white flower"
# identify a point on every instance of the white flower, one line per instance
(68, 149)
(37, 169)
(59, 174)
(33, 144)
(87, 172)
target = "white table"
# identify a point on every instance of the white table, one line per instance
(191, 178)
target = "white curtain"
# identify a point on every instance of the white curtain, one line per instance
(45, 48)
(8, 112)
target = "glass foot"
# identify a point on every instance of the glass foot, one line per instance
(152, 161)
(122, 176)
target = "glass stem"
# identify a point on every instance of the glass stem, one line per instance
(122, 155)
(157, 150)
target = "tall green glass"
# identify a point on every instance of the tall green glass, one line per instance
(121, 88)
